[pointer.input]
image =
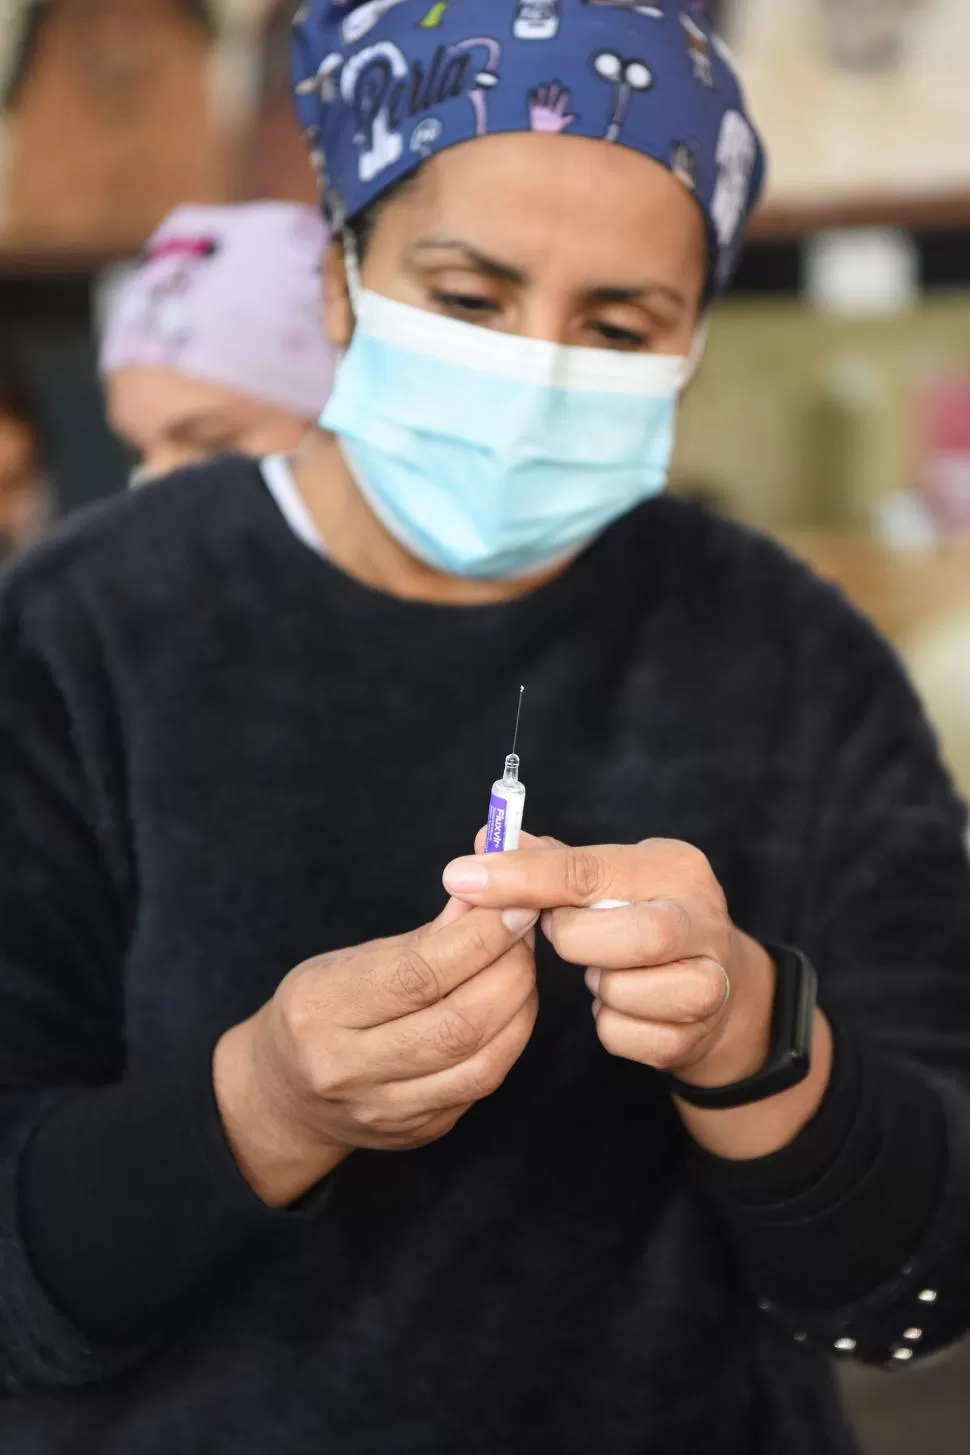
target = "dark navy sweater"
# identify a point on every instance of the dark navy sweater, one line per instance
(220, 756)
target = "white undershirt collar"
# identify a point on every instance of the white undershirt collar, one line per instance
(281, 485)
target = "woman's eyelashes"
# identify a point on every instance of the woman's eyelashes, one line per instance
(466, 305)
(614, 336)
(486, 308)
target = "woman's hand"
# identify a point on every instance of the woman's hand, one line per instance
(675, 984)
(383, 1046)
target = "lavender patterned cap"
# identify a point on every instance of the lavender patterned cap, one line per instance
(233, 296)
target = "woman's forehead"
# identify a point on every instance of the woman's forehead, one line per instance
(147, 402)
(597, 173)
(562, 198)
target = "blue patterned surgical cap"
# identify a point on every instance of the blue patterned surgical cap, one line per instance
(383, 84)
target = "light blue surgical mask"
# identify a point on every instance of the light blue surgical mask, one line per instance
(489, 455)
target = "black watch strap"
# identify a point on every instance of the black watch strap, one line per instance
(790, 1057)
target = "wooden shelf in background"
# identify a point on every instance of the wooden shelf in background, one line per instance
(19, 261)
(775, 222)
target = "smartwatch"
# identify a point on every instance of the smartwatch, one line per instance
(790, 1057)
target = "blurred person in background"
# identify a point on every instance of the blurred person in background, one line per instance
(591, 1159)
(25, 504)
(214, 342)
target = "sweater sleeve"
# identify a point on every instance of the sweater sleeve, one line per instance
(876, 1196)
(119, 1200)
(832, 1215)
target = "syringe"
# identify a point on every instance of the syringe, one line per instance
(507, 804)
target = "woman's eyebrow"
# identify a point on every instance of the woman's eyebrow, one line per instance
(637, 294)
(507, 273)
(480, 261)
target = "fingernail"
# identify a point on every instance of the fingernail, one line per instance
(517, 920)
(593, 978)
(597, 1007)
(530, 939)
(465, 876)
(547, 924)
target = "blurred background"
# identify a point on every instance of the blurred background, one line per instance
(833, 408)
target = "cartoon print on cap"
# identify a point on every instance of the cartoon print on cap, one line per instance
(626, 77)
(361, 22)
(655, 12)
(425, 136)
(683, 164)
(737, 153)
(365, 84)
(549, 108)
(384, 90)
(434, 16)
(166, 312)
(163, 314)
(699, 50)
(537, 20)
(191, 249)
(485, 80)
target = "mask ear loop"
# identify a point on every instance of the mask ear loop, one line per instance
(697, 348)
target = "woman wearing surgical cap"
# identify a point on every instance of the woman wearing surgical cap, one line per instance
(214, 342)
(612, 1144)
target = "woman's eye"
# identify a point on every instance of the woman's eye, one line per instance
(473, 303)
(621, 338)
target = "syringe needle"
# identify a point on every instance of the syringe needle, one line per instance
(507, 803)
(518, 719)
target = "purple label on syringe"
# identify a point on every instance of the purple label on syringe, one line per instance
(498, 812)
